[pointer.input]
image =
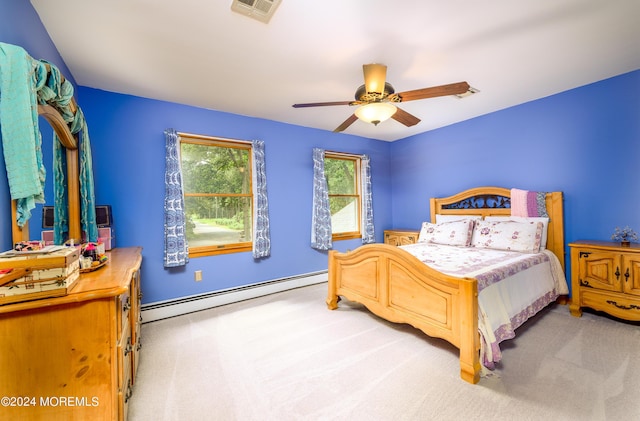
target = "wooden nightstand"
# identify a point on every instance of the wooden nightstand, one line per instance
(605, 276)
(401, 237)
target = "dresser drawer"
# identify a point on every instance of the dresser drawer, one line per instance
(123, 400)
(618, 305)
(124, 368)
(123, 307)
(137, 346)
(124, 352)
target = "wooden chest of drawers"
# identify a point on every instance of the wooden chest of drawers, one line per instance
(605, 277)
(75, 357)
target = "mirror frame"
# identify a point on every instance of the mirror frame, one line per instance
(70, 143)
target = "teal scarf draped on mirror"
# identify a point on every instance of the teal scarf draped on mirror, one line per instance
(20, 78)
(25, 83)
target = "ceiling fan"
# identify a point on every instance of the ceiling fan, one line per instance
(377, 98)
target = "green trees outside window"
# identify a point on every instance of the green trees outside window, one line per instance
(343, 181)
(218, 194)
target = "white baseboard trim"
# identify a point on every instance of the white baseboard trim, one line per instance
(176, 307)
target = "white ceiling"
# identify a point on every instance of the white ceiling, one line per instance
(200, 53)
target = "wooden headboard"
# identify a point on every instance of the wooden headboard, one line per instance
(490, 201)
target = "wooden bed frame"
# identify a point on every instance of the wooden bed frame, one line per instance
(398, 287)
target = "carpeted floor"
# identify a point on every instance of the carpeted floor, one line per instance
(286, 357)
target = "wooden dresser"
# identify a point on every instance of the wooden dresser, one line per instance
(74, 357)
(401, 237)
(605, 277)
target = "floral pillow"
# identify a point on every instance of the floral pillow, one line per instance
(524, 237)
(454, 233)
(544, 220)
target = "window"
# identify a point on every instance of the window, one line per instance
(217, 194)
(342, 172)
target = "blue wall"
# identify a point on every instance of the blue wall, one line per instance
(129, 147)
(583, 142)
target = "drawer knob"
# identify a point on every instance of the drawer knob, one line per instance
(129, 393)
(127, 304)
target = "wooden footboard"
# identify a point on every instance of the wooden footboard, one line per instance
(398, 287)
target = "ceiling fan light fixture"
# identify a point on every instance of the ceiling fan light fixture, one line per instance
(469, 92)
(376, 112)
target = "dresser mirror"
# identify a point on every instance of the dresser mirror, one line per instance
(53, 118)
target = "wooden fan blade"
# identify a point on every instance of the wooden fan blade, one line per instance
(405, 118)
(375, 75)
(434, 91)
(348, 122)
(321, 104)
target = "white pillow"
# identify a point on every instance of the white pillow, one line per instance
(543, 219)
(524, 237)
(450, 218)
(454, 233)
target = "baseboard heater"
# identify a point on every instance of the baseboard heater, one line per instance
(176, 307)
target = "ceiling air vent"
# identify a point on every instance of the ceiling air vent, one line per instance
(261, 10)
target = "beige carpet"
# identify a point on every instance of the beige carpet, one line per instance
(286, 357)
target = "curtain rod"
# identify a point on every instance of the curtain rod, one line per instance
(205, 137)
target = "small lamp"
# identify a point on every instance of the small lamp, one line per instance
(376, 112)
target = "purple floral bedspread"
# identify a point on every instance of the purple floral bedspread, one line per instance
(512, 286)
